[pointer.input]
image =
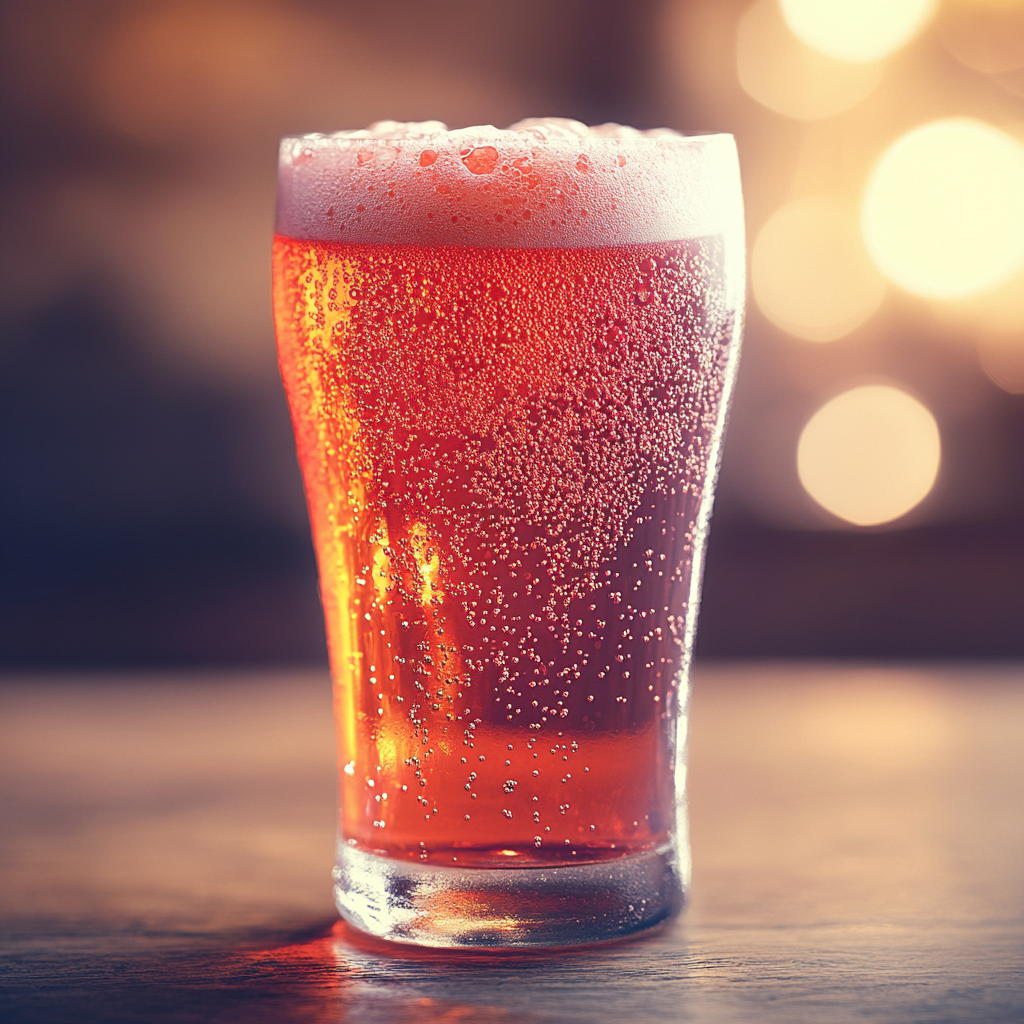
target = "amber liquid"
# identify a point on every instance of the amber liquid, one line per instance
(505, 453)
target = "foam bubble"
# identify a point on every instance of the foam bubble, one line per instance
(395, 130)
(540, 128)
(562, 127)
(543, 182)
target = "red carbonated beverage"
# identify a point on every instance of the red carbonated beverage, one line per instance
(507, 356)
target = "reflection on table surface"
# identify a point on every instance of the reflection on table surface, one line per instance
(857, 837)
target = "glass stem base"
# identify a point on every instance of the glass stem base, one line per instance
(501, 908)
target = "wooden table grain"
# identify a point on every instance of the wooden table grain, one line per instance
(858, 837)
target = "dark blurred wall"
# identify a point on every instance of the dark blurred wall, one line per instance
(150, 505)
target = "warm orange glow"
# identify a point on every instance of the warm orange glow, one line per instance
(869, 455)
(877, 722)
(428, 564)
(943, 212)
(786, 76)
(856, 30)
(187, 70)
(381, 563)
(810, 272)
(986, 35)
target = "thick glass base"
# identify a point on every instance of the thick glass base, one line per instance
(506, 907)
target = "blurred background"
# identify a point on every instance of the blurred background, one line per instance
(872, 496)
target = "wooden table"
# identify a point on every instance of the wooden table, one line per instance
(858, 838)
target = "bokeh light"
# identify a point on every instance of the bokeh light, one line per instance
(997, 314)
(856, 30)
(810, 272)
(869, 455)
(786, 76)
(1002, 359)
(943, 211)
(183, 72)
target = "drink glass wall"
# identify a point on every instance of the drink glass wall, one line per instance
(508, 357)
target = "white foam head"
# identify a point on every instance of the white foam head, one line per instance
(544, 182)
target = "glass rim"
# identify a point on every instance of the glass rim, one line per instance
(484, 134)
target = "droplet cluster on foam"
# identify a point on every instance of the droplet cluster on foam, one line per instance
(544, 182)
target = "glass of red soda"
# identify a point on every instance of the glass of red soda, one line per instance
(508, 356)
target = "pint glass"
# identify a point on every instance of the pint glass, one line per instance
(508, 357)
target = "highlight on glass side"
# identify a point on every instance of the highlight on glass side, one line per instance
(508, 356)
